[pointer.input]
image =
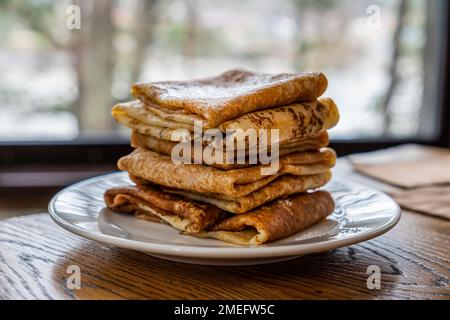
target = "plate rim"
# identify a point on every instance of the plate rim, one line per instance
(192, 251)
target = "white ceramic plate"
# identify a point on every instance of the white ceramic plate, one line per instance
(361, 214)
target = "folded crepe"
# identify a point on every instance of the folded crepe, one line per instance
(160, 169)
(166, 147)
(280, 187)
(136, 112)
(229, 95)
(278, 219)
(294, 121)
(150, 203)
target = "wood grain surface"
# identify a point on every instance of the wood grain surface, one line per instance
(414, 259)
(35, 253)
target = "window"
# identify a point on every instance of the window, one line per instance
(58, 83)
(384, 60)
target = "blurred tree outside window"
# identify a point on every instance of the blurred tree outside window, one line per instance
(56, 83)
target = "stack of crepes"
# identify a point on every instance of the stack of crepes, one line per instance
(233, 201)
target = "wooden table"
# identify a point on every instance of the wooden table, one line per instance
(414, 259)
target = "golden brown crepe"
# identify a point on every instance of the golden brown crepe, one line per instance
(231, 94)
(275, 220)
(165, 147)
(150, 203)
(240, 202)
(280, 187)
(127, 115)
(136, 111)
(161, 170)
(278, 219)
(295, 121)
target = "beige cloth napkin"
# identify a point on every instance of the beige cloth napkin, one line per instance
(421, 172)
(428, 200)
(407, 166)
